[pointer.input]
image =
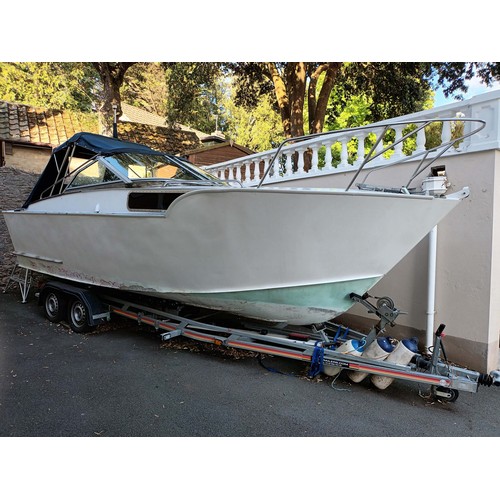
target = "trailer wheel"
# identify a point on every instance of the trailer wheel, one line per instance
(446, 393)
(54, 304)
(78, 315)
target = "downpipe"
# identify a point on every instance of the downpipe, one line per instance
(431, 288)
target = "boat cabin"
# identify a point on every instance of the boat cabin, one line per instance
(92, 161)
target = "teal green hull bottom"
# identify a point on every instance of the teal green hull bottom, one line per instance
(297, 305)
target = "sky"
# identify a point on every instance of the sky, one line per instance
(475, 88)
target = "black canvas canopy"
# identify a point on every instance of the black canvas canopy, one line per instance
(82, 145)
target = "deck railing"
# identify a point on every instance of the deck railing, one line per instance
(382, 143)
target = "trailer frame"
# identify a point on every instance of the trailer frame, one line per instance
(315, 345)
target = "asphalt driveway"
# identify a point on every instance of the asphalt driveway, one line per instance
(123, 381)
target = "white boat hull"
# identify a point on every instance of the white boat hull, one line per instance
(281, 255)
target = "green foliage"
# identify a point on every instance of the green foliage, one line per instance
(392, 88)
(259, 128)
(354, 112)
(452, 77)
(201, 94)
(145, 86)
(194, 93)
(57, 85)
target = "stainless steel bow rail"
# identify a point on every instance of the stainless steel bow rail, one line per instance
(378, 149)
(85, 308)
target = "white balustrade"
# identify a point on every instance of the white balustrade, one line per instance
(328, 156)
(300, 162)
(315, 159)
(398, 145)
(344, 155)
(360, 156)
(421, 140)
(341, 153)
(288, 164)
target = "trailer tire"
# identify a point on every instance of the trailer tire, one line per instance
(78, 316)
(54, 304)
(449, 394)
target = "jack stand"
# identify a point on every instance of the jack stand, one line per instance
(23, 278)
(438, 349)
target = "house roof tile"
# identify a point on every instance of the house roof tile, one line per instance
(137, 115)
(35, 125)
(22, 123)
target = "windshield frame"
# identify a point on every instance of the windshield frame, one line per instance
(196, 173)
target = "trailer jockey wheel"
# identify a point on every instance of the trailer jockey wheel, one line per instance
(445, 393)
(78, 315)
(54, 304)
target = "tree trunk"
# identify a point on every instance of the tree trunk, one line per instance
(317, 107)
(282, 98)
(111, 75)
(296, 86)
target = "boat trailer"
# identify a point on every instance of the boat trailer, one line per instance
(322, 346)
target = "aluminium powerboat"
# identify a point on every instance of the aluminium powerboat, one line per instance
(119, 215)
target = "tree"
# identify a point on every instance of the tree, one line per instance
(145, 86)
(392, 88)
(111, 75)
(59, 85)
(258, 128)
(56, 85)
(452, 77)
(294, 84)
(194, 94)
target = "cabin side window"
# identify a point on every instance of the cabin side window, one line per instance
(95, 173)
(151, 201)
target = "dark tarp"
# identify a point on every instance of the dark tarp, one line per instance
(87, 146)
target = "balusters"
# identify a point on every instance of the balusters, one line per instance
(421, 139)
(380, 145)
(314, 159)
(361, 149)
(231, 173)
(348, 143)
(273, 174)
(256, 170)
(446, 132)
(240, 170)
(344, 155)
(328, 155)
(398, 148)
(288, 164)
(300, 162)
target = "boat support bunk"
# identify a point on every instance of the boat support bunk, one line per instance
(322, 346)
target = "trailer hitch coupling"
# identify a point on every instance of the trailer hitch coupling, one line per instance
(495, 375)
(489, 379)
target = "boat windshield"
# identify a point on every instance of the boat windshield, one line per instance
(144, 166)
